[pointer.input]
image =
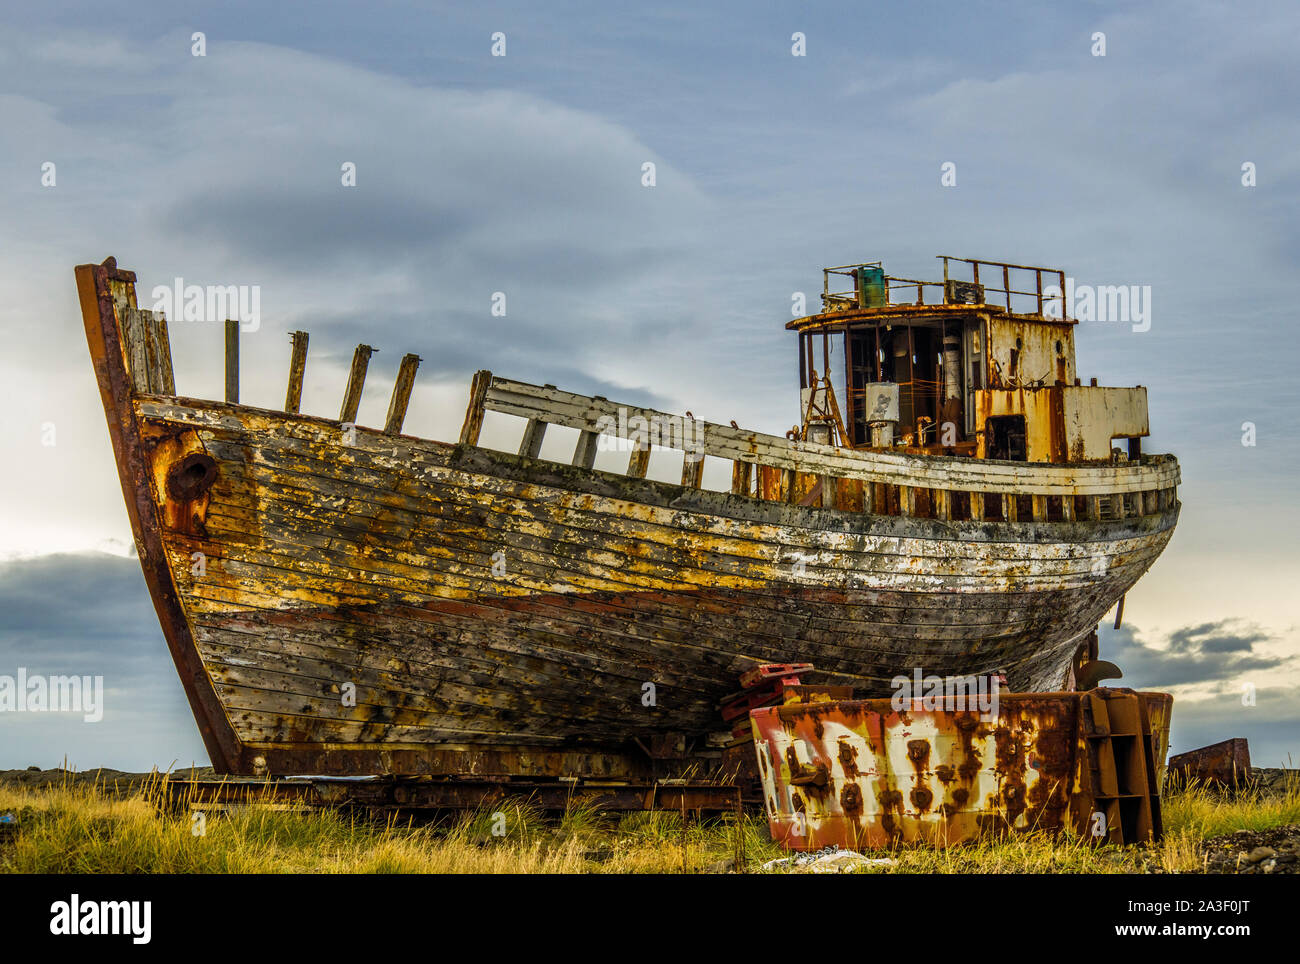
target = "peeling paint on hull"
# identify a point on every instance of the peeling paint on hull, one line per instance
(330, 564)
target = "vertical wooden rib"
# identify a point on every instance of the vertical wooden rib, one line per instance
(942, 504)
(137, 338)
(692, 469)
(977, 507)
(1067, 508)
(534, 433)
(401, 394)
(153, 364)
(830, 491)
(149, 352)
(906, 500)
(232, 362)
(741, 474)
(474, 413)
(167, 386)
(1039, 507)
(297, 365)
(638, 462)
(584, 453)
(356, 382)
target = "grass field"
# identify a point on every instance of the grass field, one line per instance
(90, 829)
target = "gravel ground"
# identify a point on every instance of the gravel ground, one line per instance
(1275, 851)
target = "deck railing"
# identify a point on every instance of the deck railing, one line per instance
(812, 474)
(993, 287)
(764, 466)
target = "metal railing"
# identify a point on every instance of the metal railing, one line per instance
(1005, 269)
(890, 290)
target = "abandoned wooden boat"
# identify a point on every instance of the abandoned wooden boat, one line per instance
(344, 600)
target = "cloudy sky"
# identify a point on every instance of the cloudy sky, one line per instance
(522, 174)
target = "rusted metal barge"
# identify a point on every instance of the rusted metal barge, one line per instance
(349, 600)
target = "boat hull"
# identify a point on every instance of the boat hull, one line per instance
(412, 594)
(339, 600)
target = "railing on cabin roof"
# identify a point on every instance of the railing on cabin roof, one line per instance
(951, 290)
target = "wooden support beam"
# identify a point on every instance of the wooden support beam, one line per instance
(1067, 508)
(1010, 509)
(977, 507)
(830, 490)
(942, 504)
(148, 351)
(149, 346)
(1039, 507)
(906, 500)
(135, 344)
(474, 413)
(162, 379)
(297, 366)
(584, 453)
(741, 478)
(356, 381)
(638, 462)
(232, 362)
(401, 394)
(531, 444)
(692, 469)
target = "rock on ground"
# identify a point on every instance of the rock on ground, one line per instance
(1275, 851)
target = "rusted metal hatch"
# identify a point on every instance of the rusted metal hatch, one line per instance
(859, 774)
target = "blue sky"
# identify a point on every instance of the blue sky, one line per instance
(521, 174)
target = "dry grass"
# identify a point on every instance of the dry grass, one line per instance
(93, 830)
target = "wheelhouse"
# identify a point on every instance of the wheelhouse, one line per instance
(980, 364)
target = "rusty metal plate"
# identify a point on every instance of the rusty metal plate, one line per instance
(859, 774)
(1221, 764)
